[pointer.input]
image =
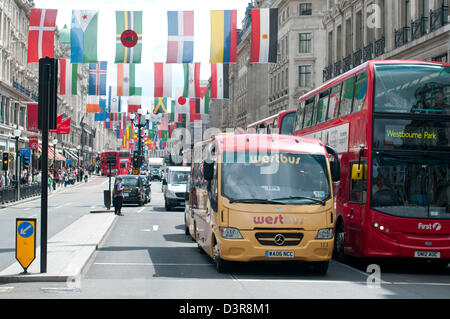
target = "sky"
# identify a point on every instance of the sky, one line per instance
(154, 35)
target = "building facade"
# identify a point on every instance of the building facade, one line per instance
(301, 54)
(361, 30)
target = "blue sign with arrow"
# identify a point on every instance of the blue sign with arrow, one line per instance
(25, 229)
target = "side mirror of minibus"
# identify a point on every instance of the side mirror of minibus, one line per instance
(335, 166)
(208, 171)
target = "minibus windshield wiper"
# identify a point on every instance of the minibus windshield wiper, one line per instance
(255, 201)
(321, 201)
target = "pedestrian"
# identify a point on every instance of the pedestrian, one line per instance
(2, 182)
(118, 197)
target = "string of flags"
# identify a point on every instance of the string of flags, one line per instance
(190, 103)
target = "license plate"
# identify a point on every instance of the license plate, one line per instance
(427, 254)
(126, 194)
(279, 254)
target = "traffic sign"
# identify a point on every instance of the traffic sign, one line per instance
(25, 241)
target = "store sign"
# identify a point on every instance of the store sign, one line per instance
(33, 142)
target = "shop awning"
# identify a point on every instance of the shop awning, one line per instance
(71, 154)
(51, 151)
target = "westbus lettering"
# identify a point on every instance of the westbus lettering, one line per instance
(280, 219)
(278, 158)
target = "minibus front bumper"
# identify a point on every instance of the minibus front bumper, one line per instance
(260, 246)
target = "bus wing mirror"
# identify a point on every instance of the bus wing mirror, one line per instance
(335, 166)
(208, 171)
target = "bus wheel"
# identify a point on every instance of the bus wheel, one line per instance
(222, 266)
(339, 242)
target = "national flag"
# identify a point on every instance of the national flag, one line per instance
(115, 117)
(163, 80)
(219, 81)
(134, 103)
(264, 38)
(97, 78)
(83, 36)
(126, 80)
(68, 77)
(41, 34)
(128, 36)
(180, 44)
(93, 104)
(114, 102)
(107, 123)
(223, 36)
(192, 80)
(160, 105)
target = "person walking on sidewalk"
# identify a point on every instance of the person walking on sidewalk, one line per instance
(118, 197)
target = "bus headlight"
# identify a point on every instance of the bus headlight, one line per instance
(325, 233)
(170, 194)
(230, 233)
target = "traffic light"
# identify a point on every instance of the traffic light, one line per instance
(136, 160)
(5, 161)
(26, 162)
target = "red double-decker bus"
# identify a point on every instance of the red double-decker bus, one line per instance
(120, 162)
(281, 123)
(390, 123)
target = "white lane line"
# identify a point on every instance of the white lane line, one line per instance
(6, 289)
(154, 228)
(140, 211)
(150, 264)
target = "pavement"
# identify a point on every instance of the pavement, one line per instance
(68, 252)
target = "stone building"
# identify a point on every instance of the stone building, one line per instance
(361, 30)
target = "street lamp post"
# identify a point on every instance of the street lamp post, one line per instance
(78, 165)
(139, 126)
(17, 134)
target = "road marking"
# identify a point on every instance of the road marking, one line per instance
(154, 228)
(140, 211)
(6, 289)
(150, 264)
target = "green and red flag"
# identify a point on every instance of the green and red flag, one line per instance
(128, 36)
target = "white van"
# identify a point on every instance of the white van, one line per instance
(175, 183)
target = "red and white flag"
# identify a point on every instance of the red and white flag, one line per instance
(264, 35)
(163, 80)
(41, 34)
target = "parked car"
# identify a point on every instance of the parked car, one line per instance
(147, 188)
(133, 189)
(175, 183)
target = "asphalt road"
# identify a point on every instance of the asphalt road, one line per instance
(147, 255)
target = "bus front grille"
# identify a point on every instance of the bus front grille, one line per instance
(279, 239)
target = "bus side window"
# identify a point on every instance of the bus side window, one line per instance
(347, 96)
(360, 91)
(299, 115)
(335, 98)
(309, 112)
(324, 97)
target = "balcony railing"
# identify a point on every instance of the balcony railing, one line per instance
(347, 63)
(401, 36)
(367, 52)
(337, 67)
(418, 28)
(327, 73)
(380, 46)
(357, 57)
(438, 18)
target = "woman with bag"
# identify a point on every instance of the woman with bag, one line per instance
(118, 197)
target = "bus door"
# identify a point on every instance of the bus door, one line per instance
(356, 203)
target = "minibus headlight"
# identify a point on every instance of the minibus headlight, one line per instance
(230, 233)
(170, 194)
(325, 233)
